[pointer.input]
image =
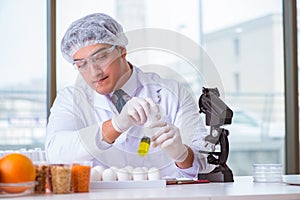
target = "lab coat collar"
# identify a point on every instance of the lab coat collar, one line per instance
(138, 81)
(103, 102)
(132, 87)
(148, 79)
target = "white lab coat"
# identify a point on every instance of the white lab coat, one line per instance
(74, 127)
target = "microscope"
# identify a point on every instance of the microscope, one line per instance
(217, 114)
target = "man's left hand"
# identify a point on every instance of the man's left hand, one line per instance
(168, 139)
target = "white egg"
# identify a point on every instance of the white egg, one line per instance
(114, 168)
(130, 170)
(123, 175)
(99, 169)
(95, 175)
(109, 175)
(139, 174)
(154, 174)
(145, 169)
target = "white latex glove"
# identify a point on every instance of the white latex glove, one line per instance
(168, 139)
(134, 112)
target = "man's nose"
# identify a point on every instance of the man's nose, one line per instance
(95, 69)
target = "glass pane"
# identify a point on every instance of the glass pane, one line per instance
(23, 76)
(204, 43)
(248, 53)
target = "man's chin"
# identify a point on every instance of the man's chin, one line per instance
(103, 91)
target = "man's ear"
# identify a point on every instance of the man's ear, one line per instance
(123, 52)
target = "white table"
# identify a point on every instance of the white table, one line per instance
(242, 188)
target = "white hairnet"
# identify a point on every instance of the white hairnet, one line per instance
(92, 29)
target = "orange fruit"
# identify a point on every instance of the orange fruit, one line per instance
(16, 168)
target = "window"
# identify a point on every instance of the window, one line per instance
(253, 83)
(246, 53)
(243, 55)
(23, 76)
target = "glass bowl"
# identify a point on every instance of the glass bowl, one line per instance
(16, 189)
(267, 172)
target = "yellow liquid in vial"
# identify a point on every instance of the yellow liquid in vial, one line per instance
(144, 146)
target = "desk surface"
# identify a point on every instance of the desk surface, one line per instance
(242, 188)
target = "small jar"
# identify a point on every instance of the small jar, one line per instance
(60, 175)
(81, 173)
(41, 169)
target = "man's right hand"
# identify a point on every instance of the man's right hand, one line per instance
(134, 112)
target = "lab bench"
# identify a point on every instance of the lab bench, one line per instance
(243, 187)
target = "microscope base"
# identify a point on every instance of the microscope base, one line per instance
(219, 174)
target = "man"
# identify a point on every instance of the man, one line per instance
(86, 123)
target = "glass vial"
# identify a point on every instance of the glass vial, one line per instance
(144, 146)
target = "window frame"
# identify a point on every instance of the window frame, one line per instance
(291, 87)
